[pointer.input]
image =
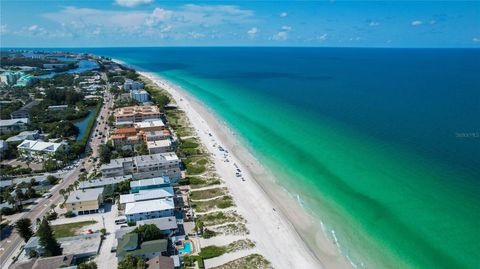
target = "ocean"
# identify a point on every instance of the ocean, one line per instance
(381, 145)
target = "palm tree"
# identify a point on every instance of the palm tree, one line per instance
(52, 207)
(76, 184)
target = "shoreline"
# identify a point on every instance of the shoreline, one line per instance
(281, 217)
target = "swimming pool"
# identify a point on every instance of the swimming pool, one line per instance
(187, 248)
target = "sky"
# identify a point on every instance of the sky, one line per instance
(141, 23)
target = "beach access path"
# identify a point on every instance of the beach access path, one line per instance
(274, 236)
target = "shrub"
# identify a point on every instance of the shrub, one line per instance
(52, 216)
(131, 223)
(209, 252)
(69, 214)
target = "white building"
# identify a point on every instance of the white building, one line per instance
(149, 209)
(145, 166)
(140, 96)
(33, 149)
(145, 195)
(159, 146)
(30, 135)
(14, 125)
(130, 85)
(57, 108)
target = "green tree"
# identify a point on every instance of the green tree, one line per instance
(23, 227)
(47, 240)
(87, 265)
(105, 154)
(52, 180)
(131, 262)
(148, 232)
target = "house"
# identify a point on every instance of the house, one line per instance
(39, 150)
(130, 85)
(14, 125)
(159, 146)
(24, 111)
(61, 261)
(150, 209)
(145, 195)
(86, 201)
(137, 113)
(148, 184)
(145, 166)
(57, 108)
(160, 262)
(147, 250)
(25, 135)
(80, 246)
(108, 183)
(140, 96)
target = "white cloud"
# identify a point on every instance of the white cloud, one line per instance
(183, 20)
(3, 29)
(417, 23)
(252, 32)
(283, 34)
(322, 37)
(132, 3)
(280, 36)
(283, 14)
(374, 23)
(33, 28)
(476, 39)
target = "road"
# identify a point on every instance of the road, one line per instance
(10, 244)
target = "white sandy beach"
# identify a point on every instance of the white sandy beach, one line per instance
(266, 214)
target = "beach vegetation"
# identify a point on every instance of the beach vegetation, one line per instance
(216, 218)
(252, 261)
(213, 251)
(207, 194)
(221, 202)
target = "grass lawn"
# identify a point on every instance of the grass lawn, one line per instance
(70, 229)
(222, 202)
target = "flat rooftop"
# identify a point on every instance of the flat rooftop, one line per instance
(144, 195)
(84, 195)
(150, 182)
(149, 206)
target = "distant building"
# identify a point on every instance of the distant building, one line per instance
(39, 150)
(25, 135)
(145, 166)
(159, 146)
(149, 125)
(130, 85)
(140, 96)
(25, 81)
(54, 66)
(10, 78)
(24, 112)
(148, 184)
(14, 125)
(3, 148)
(134, 135)
(149, 209)
(157, 135)
(137, 113)
(86, 201)
(57, 108)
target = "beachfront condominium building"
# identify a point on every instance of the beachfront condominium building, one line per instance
(140, 96)
(159, 146)
(86, 201)
(150, 209)
(145, 166)
(134, 135)
(39, 150)
(145, 195)
(138, 186)
(136, 114)
(10, 78)
(130, 85)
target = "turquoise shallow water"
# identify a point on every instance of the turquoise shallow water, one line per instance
(380, 144)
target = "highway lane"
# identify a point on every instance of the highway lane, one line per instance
(10, 244)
